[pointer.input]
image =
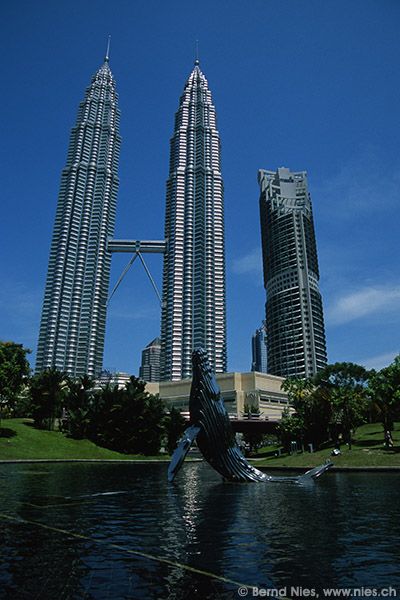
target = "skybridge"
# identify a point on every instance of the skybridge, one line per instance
(137, 248)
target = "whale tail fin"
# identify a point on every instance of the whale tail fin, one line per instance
(181, 450)
(316, 471)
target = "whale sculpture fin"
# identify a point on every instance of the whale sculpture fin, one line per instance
(181, 450)
(316, 471)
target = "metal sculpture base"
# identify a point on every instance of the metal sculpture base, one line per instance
(211, 428)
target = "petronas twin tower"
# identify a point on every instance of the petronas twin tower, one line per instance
(193, 313)
(73, 321)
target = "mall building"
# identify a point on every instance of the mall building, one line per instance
(260, 391)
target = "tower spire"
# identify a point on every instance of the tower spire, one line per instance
(196, 61)
(107, 56)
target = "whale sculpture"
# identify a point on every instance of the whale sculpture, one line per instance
(210, 426)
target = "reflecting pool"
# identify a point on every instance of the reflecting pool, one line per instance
(121, 531)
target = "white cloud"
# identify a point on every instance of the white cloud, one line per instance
(364, 302)
(249, 263)
(378, 362)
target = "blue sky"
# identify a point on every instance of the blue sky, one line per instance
(308, 84)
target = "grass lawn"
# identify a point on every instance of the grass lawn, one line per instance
(368, 450)
(20, 440)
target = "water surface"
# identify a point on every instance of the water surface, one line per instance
(114, 531)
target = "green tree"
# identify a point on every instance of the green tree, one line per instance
(48, 390)
(128, 420)
(345, 387)
(148, 413)
(312, 412)
(22, 404)
(78, 404)
(175, 426)
(290, 429)
(319, 416)
(251, 410)
(298, 390)
(14, 371)
(254, 439)
(384, 387)
(153, 431)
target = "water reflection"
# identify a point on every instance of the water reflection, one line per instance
(342, 531)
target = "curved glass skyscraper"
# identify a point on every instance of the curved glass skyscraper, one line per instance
(73, 321)
(294, 315)
(193, 312)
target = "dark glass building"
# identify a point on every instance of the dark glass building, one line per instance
(259, 350)
(296, 344)
(150, 367)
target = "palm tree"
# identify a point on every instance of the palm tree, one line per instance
(346, 386)
(48, 389)
(79, 407)
(384, 388)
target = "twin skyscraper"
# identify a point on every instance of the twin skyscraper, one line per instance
(72, 330)
(193, 313)
(73, 323)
